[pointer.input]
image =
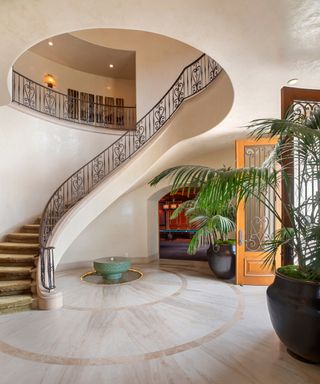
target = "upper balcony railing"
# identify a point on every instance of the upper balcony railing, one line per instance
(45, 100)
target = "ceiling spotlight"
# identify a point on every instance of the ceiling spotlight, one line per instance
(50, 43)
(292, 81)
(111, 65)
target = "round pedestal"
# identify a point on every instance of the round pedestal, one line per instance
(112, 268)
(112, 276)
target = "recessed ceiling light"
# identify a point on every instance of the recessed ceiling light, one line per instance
(111, 65)
(50, 43)
(292, 81)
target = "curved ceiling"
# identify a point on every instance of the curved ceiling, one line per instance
(88, 57)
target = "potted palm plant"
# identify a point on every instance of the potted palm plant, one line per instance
(213, 224)
(294, 297)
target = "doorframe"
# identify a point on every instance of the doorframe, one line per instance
(240, 218)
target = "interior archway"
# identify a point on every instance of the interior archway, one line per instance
(175, 234)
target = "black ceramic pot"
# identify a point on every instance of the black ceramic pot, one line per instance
(294, 307)
(221, 259)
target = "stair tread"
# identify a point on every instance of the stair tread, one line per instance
(20, 237)
(17, 256)
(13, 259)
(24, 234)
(14, 301)
(15, 287)
(19, 245)
(17, 283)
(18, 253)
(30, 228)
(14, 269)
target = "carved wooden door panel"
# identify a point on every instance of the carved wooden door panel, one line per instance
(255, 223)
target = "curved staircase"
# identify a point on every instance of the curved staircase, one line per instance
(19, 255)
(31, 246)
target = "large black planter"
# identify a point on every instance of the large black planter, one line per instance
(221, 259)
(294, 307)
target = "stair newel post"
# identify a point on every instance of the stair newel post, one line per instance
(47, 268)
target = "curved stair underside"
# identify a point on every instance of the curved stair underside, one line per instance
(213, 105)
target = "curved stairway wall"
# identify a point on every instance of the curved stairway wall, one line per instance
(36, 155)
(133, 217)
(197, 115)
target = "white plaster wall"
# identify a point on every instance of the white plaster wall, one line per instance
(159, 60)
(35, 67)
(129, 227)
(35, 157)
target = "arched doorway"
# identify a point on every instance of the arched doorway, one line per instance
(175, 234)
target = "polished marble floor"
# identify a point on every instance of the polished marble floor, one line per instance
(176, 324)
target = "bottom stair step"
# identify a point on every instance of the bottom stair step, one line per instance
(15, 303)
(15, 287)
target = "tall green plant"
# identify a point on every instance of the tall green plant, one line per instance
(212, 221)
(299, 148)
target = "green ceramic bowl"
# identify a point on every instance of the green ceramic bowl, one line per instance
(112, 268)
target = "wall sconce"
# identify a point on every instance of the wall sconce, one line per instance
(173, 206)
(49, 80)
(166, 206)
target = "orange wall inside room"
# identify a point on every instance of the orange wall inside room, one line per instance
(166, 209)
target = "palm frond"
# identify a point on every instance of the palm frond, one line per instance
(219, 191)
(182, 207)
(202, 237)
(281, 237)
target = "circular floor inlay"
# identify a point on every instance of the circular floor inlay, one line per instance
(155, 287)
(127, 277)
(157, 319)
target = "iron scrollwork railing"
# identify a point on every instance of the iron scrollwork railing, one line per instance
(45, 100)
(193, 79)
(306, 171)
(303, 108)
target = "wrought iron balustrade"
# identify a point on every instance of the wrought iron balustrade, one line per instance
(306, 181)
(193, 79)
(303, 108)
(45, 100)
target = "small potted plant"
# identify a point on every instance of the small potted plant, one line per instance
(213, 224)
